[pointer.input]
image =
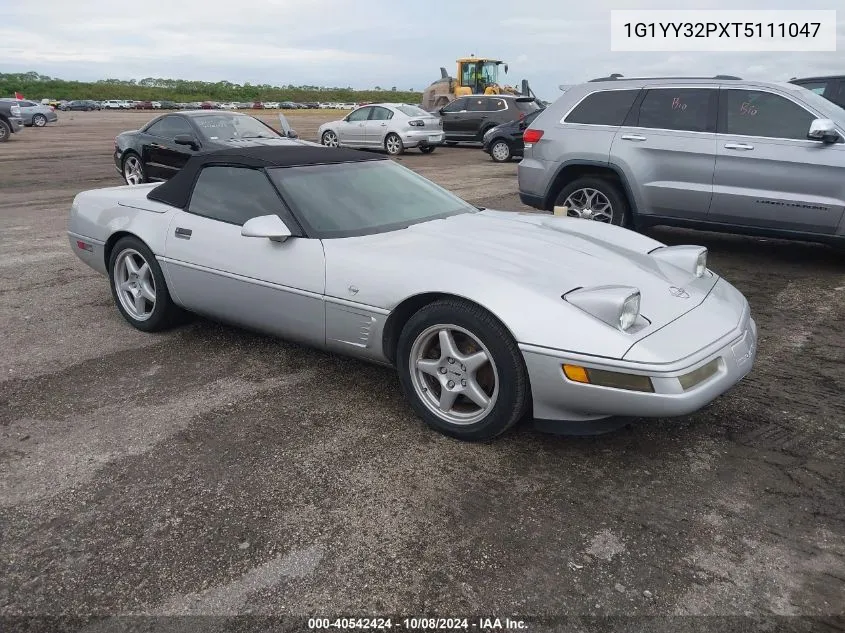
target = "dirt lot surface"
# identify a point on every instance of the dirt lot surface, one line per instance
(214, 471)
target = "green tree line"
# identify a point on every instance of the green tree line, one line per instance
(35, 86)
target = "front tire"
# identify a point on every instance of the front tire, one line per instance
(5, 131)
(139, 289)
(500, 151)
(393, 144)
(329, 139)
(595, 198)
(133, 169)
(462, 371)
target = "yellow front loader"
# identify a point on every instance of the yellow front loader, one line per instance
(475, 76)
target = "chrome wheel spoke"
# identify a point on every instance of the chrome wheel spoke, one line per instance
(447, 399)
(448, 349)
(430, 367)
(474, 361)
(474, 392)
(147, 292)
(131, 266)
(140, 302)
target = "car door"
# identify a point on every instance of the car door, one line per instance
(768, 173)
(469, 122)
(27, 110)
(351, 130)
(450, 114)
(275, 287)
(667, 149)
(377, 126)
(162, 156)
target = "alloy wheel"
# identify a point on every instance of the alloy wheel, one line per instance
(500, 151)
(135, 284)
(393, 144)
(453, 374)
(589, 204)
(132, 170)
(330, 139)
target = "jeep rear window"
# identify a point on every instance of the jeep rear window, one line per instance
(527, 106)
(608, 107)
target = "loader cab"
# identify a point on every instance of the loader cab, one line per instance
(478, 76)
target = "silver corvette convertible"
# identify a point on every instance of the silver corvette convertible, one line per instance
(488, 316)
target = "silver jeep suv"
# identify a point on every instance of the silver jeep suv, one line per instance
(718, 154)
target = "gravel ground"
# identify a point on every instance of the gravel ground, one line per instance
(211, 471)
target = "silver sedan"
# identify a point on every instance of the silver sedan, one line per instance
(35, 114)
(393, 127)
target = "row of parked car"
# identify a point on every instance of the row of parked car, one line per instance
(124, 104)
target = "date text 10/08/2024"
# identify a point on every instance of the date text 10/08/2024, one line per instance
(420, 624)
(722, 29)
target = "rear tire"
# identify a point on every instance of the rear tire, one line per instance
(474, 391)
(393, 144)
(597, 187)
(329, 139)
(428, 149)
(139, 289)
(39, 120)
(500, 151)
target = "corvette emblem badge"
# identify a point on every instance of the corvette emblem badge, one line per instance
(678, 292)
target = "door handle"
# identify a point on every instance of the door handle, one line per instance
(184, 234)
(383, 124)
(633, 137)
(740, 146)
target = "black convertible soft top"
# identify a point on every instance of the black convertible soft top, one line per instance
(177, 191)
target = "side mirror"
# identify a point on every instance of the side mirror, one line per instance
(186, 139)
(292, 134)
(270, 226)
(823, 130)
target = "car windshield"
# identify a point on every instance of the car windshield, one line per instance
(225, 127)
(825, 106)
(349, 199)
(412, 110)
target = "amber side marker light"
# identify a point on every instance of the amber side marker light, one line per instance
(613, 379)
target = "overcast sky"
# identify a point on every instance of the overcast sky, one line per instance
(363, 44)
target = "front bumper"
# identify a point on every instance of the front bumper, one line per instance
(558, 398)
(422, 138)
(16, 124)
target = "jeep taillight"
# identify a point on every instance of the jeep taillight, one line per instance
(532, 136)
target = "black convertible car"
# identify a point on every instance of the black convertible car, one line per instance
(162, 147)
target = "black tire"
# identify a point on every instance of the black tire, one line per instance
(39, 120)
(5, 131)
(393, 144)
(511, 376)
(620, 209)
(165, 314)
(500, 156)
(126, 157)
(428, 149)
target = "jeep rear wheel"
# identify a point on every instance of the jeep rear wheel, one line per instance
(594, 198)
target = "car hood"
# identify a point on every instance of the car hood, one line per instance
(490, 255)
